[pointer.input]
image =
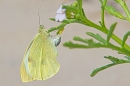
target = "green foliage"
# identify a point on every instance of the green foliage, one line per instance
(125, 38)
(125, 8)
(75, 14)
(114, 60)
(89, 43)
(97, 37)
(114, 12)
(110, 32)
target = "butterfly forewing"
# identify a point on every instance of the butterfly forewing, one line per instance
(39, 62)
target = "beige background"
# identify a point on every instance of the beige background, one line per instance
(19, 24)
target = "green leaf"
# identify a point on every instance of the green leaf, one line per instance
(115, 62)
(53, 19)
(87, 46)
(72, 45)
(97, 37)
(125, 38)
(125, 8)
(87, 41)
(94, 72)
(101, 2)
(91, 44)
(110, 32)
(58, 27)
(127, 57)
(114, 12)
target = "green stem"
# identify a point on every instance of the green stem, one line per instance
(124, 51)
(105, 30)
(102, 18)
(102, 13)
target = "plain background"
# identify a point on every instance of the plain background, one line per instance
(18, 25)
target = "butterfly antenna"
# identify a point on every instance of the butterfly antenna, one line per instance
(39, 16)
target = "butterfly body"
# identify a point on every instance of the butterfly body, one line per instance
(39, 62)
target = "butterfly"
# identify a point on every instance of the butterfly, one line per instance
(39, 62)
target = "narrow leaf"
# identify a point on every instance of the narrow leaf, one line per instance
(114, 12)
(110, 32)
(58, 27)
(87, 41)
(72, 45)
(53, 19)
(101, 68)
(101, 2)
(116, 60)
(76, 45)
(125, 38)
(125, 8)
(97, 37)
(127, 57)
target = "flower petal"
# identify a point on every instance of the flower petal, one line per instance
(57, 17)
(62, 17)
(59, 9)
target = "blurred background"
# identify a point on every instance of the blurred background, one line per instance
(18, 25)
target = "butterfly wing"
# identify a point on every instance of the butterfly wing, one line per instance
(39, 62)
(24, 70)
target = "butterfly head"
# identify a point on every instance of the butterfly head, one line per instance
(43, 31)
(41, 27)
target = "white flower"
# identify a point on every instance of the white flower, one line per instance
(61, 15)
